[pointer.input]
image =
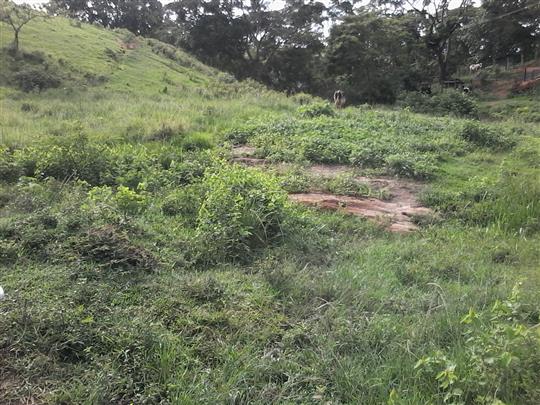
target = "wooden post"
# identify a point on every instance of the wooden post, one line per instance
(525, 73)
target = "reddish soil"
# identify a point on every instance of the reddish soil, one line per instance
(397, 213)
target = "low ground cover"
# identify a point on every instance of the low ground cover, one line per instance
(140, 265)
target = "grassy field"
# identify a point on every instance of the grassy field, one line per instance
(141, 266)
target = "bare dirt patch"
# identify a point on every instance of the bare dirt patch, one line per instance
(397, 212)
(398, 216)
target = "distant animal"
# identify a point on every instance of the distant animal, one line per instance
(466, 90)
(339, 98)
(475, 67)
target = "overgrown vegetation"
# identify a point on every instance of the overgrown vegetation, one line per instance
(140, 266)
(448, 102)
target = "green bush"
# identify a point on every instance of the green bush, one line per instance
(410, 165)
(449, 102)
(69, 158)
(499, 359)
(484, 136)
(316, 110)
(238, 136)
(9, 169)
(241, 211)
(184, 201)
(322, 150)
(9, 252)
(39, 78)
(346, 184)
(199, 141)
(512, 204)
(370, 153)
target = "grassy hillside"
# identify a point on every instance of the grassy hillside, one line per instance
(141, 264)
(115, 85)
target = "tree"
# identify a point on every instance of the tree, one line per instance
(142, 17)
(373, 56)
(439, 25)
(248, 39)
(16, 17)
(505, 29)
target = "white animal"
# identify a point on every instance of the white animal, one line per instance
(475, 67)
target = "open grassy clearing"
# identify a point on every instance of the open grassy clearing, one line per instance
(141, 266)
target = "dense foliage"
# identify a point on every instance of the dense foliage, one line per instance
(372, 53)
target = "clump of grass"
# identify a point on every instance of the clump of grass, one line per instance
(484, 136)
(112, 249)
(316, 110)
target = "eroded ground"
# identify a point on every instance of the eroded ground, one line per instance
(397, 212)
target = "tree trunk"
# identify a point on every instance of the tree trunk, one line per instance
(16, 42)
(442, 66)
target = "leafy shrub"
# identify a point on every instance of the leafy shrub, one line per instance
(197, 142)
(238, 136)
(411, 165)
(27, 107)
(512, 204)
(69, 158)
(321, 150)
(9, 169)
(241, 211)
(316, 110)
(484, 136)
(455, 102)
(500, 362)
(123, 201)
(371, 153)
(346, 184)
(39, 78)
(191, 167)
(451, 102)
(9, 251)
(112, 54)
(34, 57)
(295, 182)
(164, 133)
(203, 289)
(302, 98)
(184, 201)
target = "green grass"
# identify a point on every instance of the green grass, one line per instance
(140, 266)
(131, 102)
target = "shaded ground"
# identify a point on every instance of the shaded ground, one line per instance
(397, 213)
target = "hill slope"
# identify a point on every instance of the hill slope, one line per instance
(141, 265)
(114, 84)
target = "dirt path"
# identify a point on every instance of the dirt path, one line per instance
(397, 213)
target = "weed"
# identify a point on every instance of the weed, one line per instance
(241, 211)
(316, 110)
(112, 249)
(484, 136)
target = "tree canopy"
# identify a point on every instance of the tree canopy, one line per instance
(313, 46)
